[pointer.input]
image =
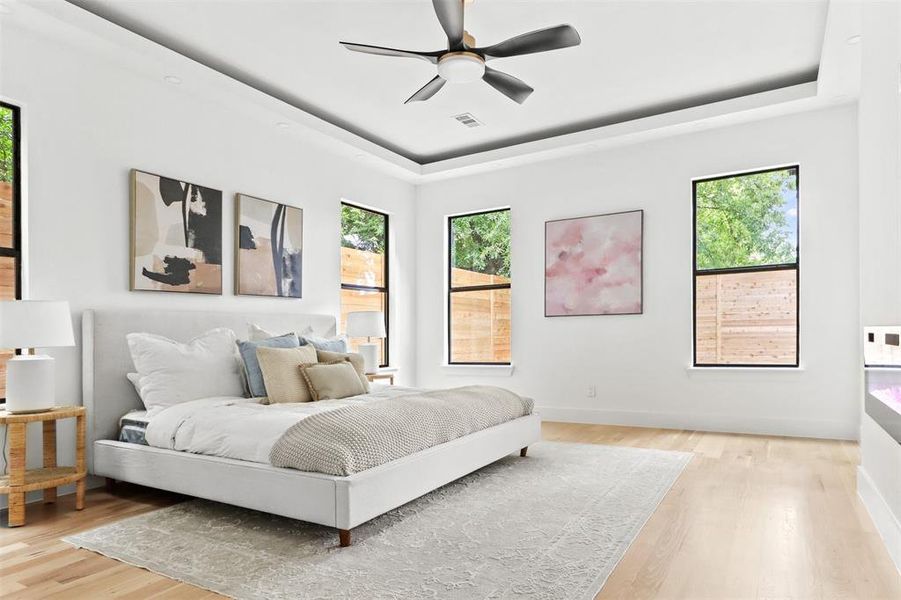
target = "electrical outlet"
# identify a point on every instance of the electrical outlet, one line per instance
(592, 391)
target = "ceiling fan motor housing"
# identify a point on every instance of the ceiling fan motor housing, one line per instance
(461, 67)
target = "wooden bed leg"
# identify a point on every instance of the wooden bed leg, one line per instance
(522, 451)
(110, 485)
(344, 537)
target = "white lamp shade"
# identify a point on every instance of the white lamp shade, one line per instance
(35, 324)
(368, 323)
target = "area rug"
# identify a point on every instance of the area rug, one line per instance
(552, 525)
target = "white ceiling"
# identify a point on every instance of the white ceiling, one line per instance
(636, 59)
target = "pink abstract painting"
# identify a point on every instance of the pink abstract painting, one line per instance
(592, 265)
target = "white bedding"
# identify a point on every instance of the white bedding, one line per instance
(237, 427)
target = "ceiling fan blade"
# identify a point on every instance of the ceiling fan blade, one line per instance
(508, 85)
(431, 57)
(428, 90)
(552, 38)
(450, 15)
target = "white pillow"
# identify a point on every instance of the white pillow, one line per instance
(255, 333)
(135, 380)
(170, 372)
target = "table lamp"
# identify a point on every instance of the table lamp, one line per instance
(368, 324)
(30, 324)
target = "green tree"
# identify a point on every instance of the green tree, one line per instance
(362, 229)
(6, 144)
(741, 221)
(482, 243)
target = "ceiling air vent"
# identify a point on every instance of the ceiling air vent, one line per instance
(468, 120)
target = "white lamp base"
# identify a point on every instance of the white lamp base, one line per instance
(30, 384)
(370, 353)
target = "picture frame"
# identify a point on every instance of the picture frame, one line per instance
(594, 265)
(175, 235)
(268, 248)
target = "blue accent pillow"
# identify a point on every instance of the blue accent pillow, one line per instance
(335, 344)
(248, 352)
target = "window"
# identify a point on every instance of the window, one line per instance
(479, 288)
(364, 268)
(746, 269)
(10, 231)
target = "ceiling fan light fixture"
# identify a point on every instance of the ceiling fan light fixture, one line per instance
(461, 67)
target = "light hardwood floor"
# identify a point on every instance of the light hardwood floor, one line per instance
(751, 517)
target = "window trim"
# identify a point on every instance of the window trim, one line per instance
(381, 289)
(15, 251)
(451, 289)
(744, 269)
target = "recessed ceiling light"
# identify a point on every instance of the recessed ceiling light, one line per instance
(172, 79)
(854, 39)
(283, 124)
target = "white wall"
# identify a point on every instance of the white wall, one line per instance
(880, 167)
(880, 244)
(639, 363)
(89, 118)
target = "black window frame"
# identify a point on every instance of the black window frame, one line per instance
(745, 269)
(475, 288)
(386, 280)
(15, 251)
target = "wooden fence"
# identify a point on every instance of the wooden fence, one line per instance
(7, 266)
(361, 268)
(481, 319)
(6, 214)
(747, 318)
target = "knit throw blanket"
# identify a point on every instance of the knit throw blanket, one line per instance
(351, 439)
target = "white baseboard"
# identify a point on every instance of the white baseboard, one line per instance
(886, 523)
(838, 430)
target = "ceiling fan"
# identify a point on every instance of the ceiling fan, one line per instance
(463, 61)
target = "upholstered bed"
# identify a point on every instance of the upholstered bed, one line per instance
(342, 502)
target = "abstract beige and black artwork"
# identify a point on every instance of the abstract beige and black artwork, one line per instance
(176, 235)
(269, 256)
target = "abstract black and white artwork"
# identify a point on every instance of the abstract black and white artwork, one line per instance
(269, 256)
(176, 235)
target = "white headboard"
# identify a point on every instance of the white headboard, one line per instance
(108, 395)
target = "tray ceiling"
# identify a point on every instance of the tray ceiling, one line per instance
(636, 59)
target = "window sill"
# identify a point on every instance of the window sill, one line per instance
(692, 370)
(478, 370)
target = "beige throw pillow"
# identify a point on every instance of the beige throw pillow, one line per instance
(283, 380)
(355, 359)
(329, 381)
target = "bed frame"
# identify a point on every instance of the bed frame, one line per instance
(340, 502)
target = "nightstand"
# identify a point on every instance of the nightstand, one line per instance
(383, 374)
(20, 480)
